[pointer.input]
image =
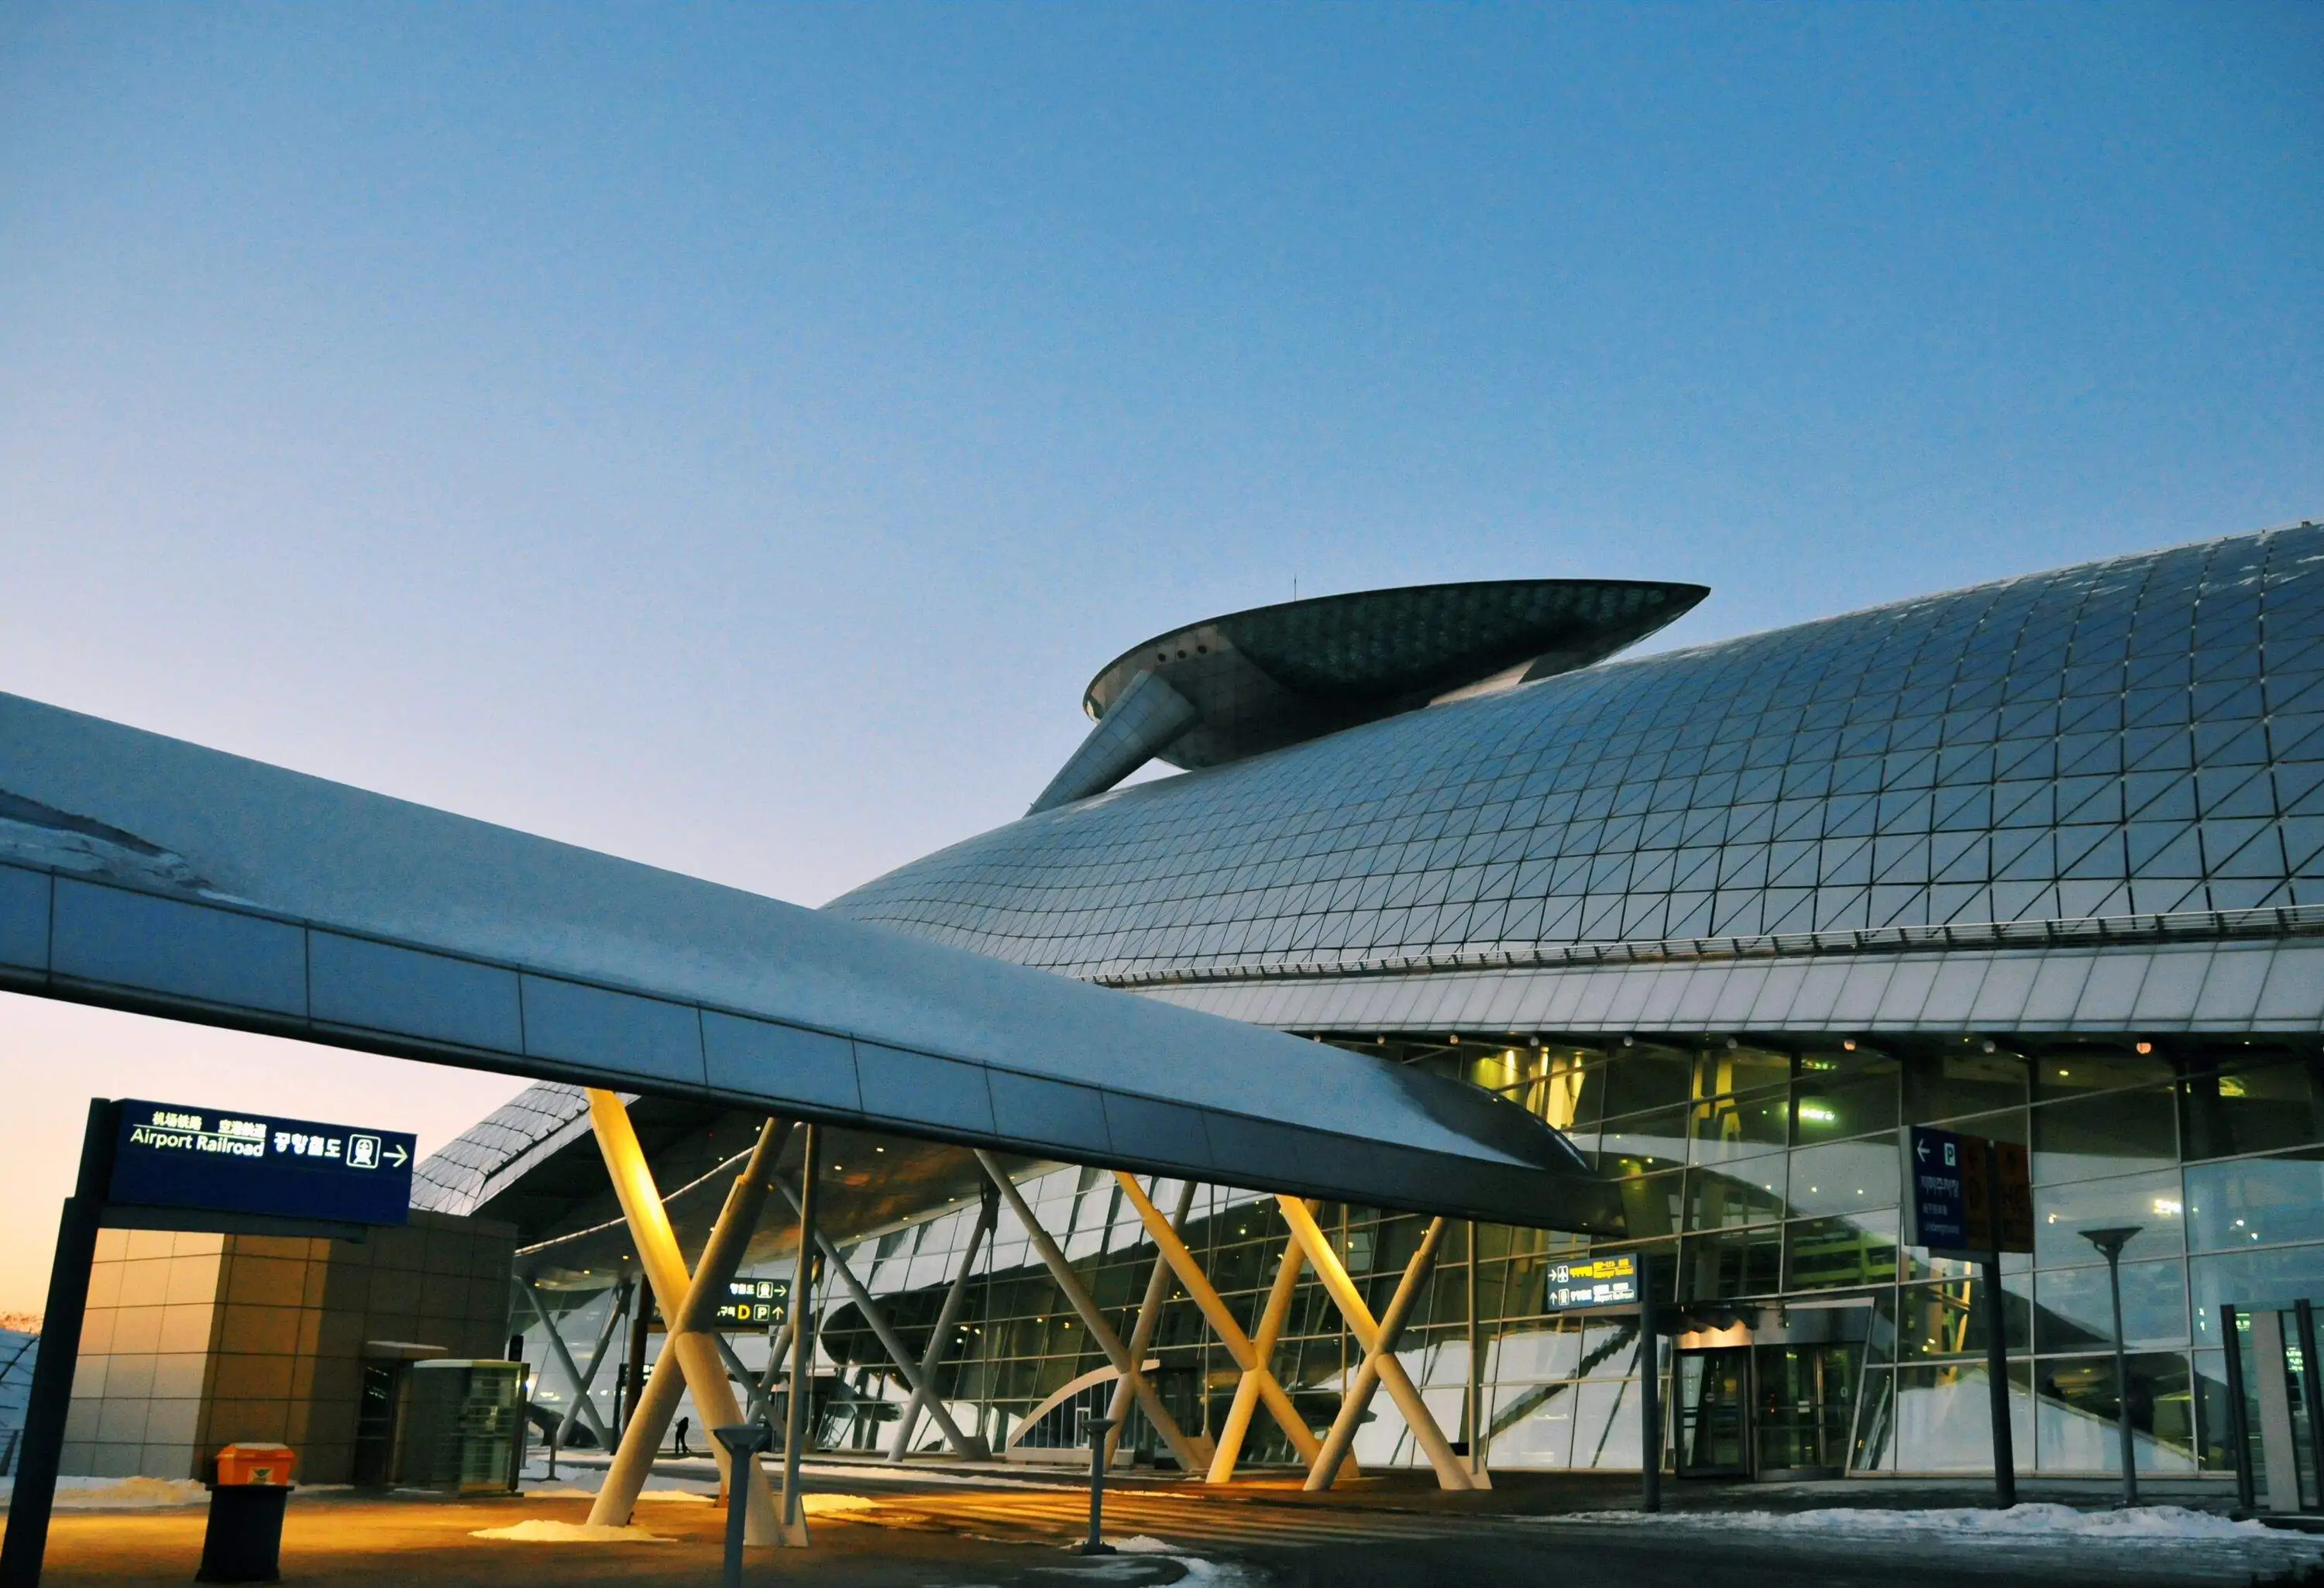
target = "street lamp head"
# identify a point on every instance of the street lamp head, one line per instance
(2111, 1239)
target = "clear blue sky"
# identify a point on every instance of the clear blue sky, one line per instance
(730, 437)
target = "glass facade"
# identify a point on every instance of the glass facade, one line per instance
(2141, 737)
(1807, 1338)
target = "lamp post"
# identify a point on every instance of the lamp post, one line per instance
(2110, 1241)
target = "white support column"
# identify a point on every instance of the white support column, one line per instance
(692, 1351)
(582, 1405)
(906, 1365)
(1223, 1322)
(1450, 1473)
(1359, 1396)
(988, 1213)
(1271, 1319)
(1192, 1457)
(1141, 1331)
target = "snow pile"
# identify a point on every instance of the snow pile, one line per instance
(1204, 1574)
(2020, 1523)
(120, 1493)
(542, 1532)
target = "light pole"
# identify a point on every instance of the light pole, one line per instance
(2110, 1241)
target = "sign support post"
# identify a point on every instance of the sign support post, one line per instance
(1650, 1408)
(52, 1373)
(1974, 1199)
(1997, 1378)
(146, 1165)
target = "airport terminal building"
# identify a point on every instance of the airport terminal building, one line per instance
(2041, 860)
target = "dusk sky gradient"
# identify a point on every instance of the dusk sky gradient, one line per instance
(730, 438)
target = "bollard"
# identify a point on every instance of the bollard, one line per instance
(744, 1442)
(1096, 1544)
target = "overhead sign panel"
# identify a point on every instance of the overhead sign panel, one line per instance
(181, 1155)
(1970, 1195)
(748, 1305)
(754, 1304)
(1596, 1281)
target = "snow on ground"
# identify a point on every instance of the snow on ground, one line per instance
(120, 1493)
(2019, 1524)
(1198, 1569)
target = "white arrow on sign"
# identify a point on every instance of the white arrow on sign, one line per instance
(399, 1158)
(1921, 1149)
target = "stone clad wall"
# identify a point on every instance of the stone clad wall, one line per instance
(198, 1340)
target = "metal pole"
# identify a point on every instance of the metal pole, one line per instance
(1996, 1343)
(742, 1442)
(1650, 1398)
(2122, 1385)
(37, 1457)
(2110, 1241)
(1476, 1364)
(1996, 1375)
(1096, 1544)
(2238, 1423)
(2311, 1392)
(633, 1383)
(802, 1299)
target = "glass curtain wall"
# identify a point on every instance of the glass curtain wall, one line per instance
(1769, 1184)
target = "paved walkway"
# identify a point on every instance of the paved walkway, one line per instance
(882, 1527)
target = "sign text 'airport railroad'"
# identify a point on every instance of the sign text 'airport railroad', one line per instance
(175, 1155)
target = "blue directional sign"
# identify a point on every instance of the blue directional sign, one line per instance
(1941, 1214)
(177, 1155)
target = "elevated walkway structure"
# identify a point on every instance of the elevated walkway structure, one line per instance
(144, 874)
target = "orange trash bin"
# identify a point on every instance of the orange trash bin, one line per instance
(244, 1541)
(255, 1464)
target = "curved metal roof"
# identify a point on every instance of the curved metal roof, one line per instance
(1279, 675)
(148, 874)
(2142, 735)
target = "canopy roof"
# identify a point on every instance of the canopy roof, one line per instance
(1285, 674)
(144, 873)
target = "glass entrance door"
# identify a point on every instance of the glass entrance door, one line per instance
(1714, 1412)
(1804, 1405)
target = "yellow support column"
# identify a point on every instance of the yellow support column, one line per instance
(1451, 1473)
(666, 1272)
(1222, 1321)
